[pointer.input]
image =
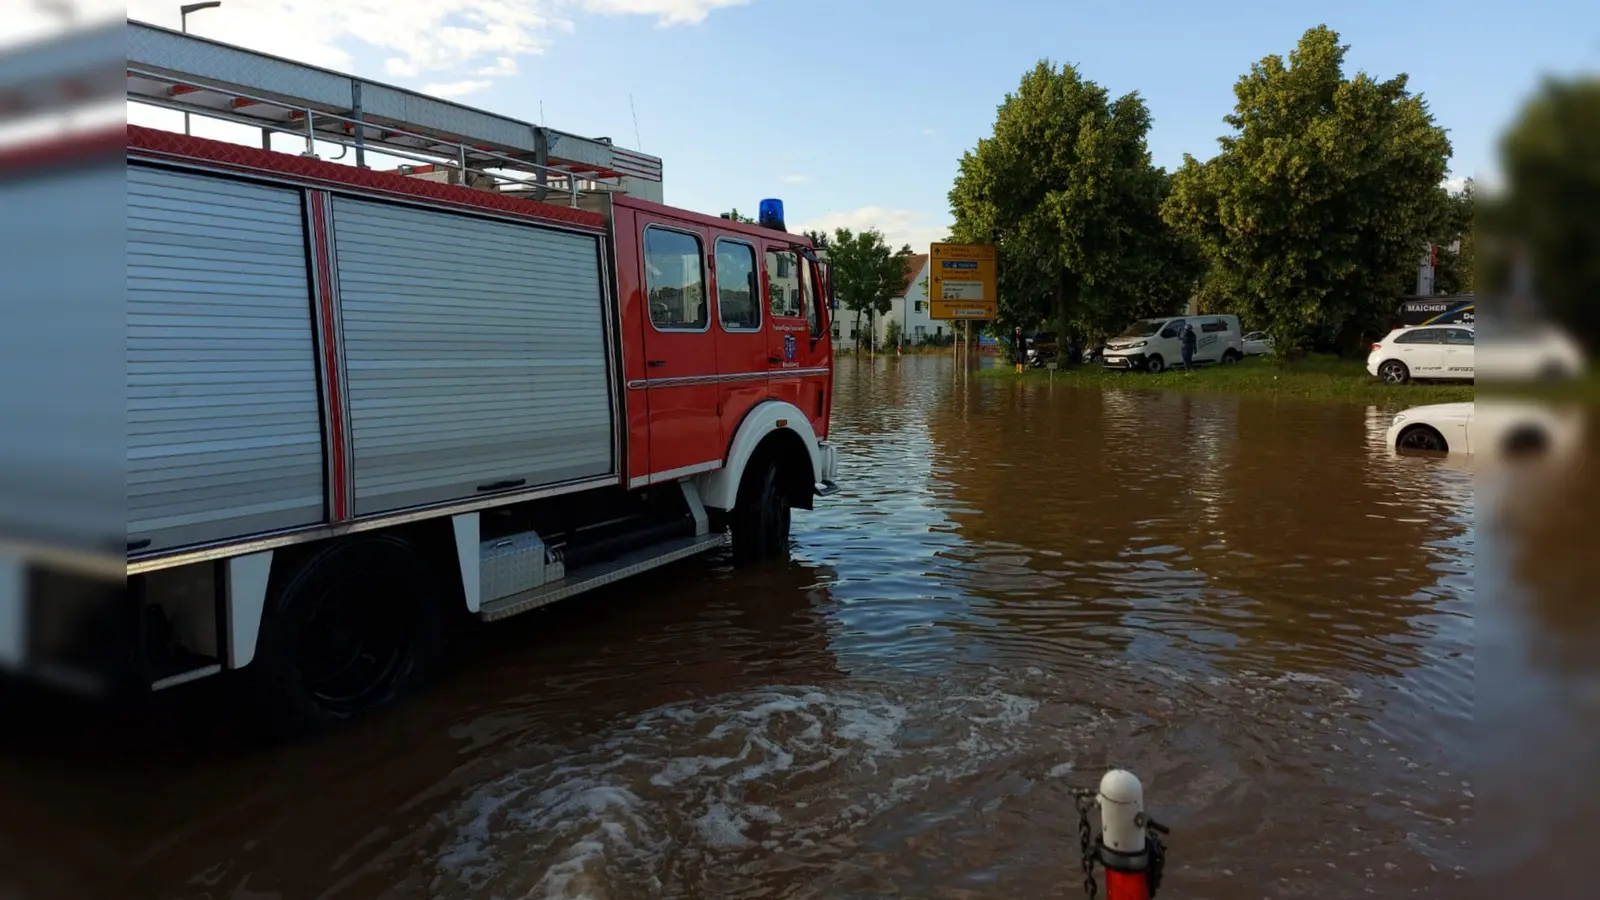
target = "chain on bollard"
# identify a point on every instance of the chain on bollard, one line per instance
(1086, 844)
(1130, 846)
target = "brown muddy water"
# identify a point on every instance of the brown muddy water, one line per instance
(1249, 603)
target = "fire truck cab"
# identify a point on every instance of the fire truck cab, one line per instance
(365, 399)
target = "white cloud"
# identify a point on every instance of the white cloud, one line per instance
(899, 226)
(928, 132)
(453, 89)
(444, 39)
(795, 179)
(501, 68)
(29, 20)
(667, 12)
(401, 68)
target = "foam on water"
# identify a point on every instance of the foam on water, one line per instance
(786, 769)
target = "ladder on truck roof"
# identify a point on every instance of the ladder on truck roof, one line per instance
(207, 78)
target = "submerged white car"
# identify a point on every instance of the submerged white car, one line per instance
(1498, 429)
(1425, 352)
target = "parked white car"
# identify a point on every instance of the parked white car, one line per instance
(1494, 428)
(1157, 344)
(1529, 351)
(1425, 352)
(1257, 343)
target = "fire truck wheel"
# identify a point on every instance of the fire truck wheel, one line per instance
(760, 520)
(348, 630)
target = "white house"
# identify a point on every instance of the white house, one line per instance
(909, 309)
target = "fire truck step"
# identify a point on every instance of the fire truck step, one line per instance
(600, 574)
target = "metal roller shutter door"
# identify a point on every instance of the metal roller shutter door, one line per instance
(224, 426)
(61, 350)
(475, 352)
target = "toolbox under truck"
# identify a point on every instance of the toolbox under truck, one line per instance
(364, 397)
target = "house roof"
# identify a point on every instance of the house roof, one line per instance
(914, 264)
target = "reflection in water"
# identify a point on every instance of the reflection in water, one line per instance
(1248, 602)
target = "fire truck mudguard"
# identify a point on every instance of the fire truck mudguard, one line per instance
(765, 426)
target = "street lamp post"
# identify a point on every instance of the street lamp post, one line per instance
(183, 21)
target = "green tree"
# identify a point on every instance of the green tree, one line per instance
(736, 216)
(1551, 160)
(1314, 214)
(818, 239)
(1455, 234)
(1065, 190)
(891, 334)
(867, 275)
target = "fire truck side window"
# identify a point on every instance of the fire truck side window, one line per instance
(783, 283)
(738, 288)
(675, 278)
(808, 298)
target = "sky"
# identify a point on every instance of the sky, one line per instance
(856, 112)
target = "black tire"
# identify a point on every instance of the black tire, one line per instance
(1421, 439)
(1229, 357)
(1394, 371)
(1155, 365)
(1526, 442)
(760, 519)
(355, 626)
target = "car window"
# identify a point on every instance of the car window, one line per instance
(1461, 336)
(783, 283)
(1214, 325)
(738, 294)
(675, 279)
(1421, 336)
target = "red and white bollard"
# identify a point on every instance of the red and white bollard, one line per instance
(1122, 845)
(1129, 847)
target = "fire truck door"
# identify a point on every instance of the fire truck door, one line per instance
(680, 354)
(798, 346)
(741, 338)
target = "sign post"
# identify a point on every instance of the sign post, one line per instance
(962, 287)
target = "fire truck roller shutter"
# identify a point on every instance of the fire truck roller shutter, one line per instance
(224, 429)
(476, 353)
(61, 432)
(720, 489)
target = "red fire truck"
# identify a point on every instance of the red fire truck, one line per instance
(365, 398)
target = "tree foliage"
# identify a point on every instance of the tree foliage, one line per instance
(867, 275)
(1551, 160)
(1454, 232)
(1313, 216)
(1065, 190)
(735, 216)
(818, 239)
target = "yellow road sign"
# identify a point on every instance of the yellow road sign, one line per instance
(962, 281)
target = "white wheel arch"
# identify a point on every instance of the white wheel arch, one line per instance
(720, 489)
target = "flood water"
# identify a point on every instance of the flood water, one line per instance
(1248, 602)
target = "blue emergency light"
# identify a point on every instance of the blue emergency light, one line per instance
(771, 214)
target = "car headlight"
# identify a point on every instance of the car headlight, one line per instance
(1137, 345)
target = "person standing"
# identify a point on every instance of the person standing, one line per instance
(1189, 340)
(1019, 351)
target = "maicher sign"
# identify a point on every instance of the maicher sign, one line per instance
(962, 283)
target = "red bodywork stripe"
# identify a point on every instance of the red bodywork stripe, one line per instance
(332, 369)
(152, 143)
(62, 151)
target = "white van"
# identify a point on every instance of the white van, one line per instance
(1157, 344)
